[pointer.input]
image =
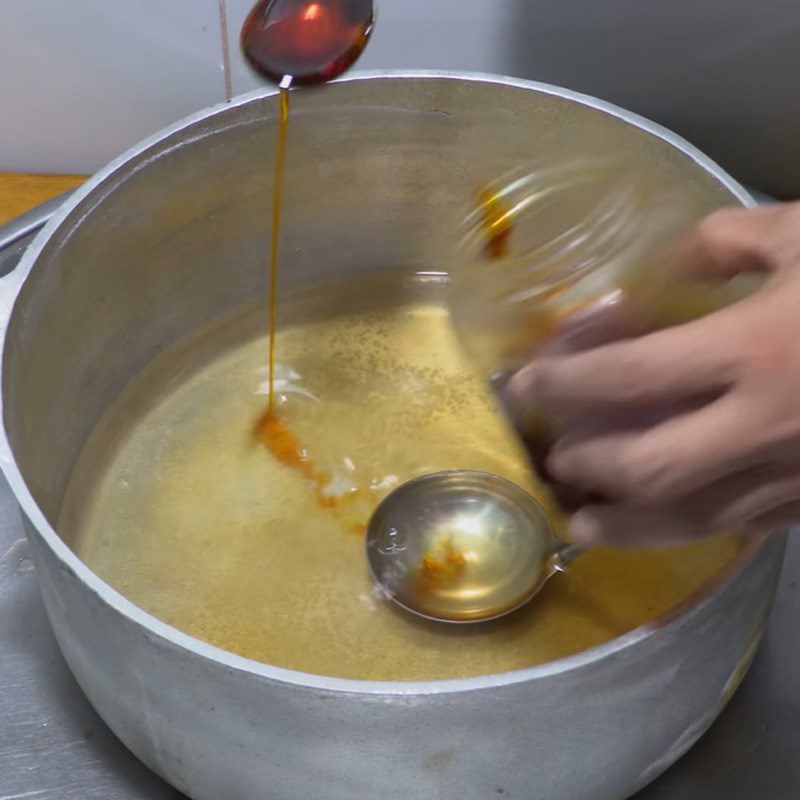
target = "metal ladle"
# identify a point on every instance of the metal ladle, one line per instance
(304, 42)
(462, 546)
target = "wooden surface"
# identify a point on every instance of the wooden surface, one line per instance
(21, 191)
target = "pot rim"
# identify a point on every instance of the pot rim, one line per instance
(70, 562)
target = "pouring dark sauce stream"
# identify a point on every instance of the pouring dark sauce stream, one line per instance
(277, 187)
(297, 43)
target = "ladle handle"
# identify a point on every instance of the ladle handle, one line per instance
(30, 222)
(565, 554)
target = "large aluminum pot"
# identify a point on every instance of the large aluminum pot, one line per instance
(172, 235)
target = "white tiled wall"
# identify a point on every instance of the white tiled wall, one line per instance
(83, 79)
(80, 80)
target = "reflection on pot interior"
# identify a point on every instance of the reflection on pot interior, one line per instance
(176, 502)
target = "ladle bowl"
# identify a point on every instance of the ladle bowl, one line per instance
(462, 546)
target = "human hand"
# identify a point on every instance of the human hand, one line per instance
(721, 450)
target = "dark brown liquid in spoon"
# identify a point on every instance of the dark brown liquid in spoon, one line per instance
(297, 42)
(312, 41)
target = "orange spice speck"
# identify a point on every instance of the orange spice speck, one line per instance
(286, 448)
(443, 567)
(283, 444)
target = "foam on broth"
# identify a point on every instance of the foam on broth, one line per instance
(176, 504)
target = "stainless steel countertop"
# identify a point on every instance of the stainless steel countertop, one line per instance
(54, 747)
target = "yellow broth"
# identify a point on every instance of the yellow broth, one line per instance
(177, 504)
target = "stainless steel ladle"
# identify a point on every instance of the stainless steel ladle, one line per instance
(462, 546)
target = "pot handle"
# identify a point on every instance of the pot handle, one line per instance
(31, 221)
(14, 238)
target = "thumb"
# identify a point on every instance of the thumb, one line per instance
(732, 242)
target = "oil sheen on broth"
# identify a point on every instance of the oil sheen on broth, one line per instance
(176, 504)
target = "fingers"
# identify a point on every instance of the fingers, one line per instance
(668, 461)
(735, 241)
(624, 525)
(755, 501)
(776, 520)
(662, 367)
(680, 361)
(668, 433)
(734, 503)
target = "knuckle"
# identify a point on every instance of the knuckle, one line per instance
(725, 519)
(572, 460)
(529, 384)
(714, 231)
(769, 346)
(753, 529)
(646, 477)
(540, 379)
(778, 434)
(631, 375)
(559, 462)
(728, 238)
(690, 527)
